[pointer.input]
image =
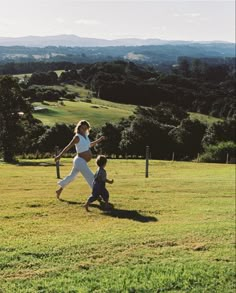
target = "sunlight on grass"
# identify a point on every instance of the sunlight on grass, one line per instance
(173, 231)
(71, 112)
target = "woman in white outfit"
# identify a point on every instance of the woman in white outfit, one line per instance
(82, 144)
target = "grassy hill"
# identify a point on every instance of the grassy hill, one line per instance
(170, 232)
(98, 112)
(207, 119)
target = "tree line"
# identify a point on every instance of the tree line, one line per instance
(166, 128)
(192, 85)
(160, 119)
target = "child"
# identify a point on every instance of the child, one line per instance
(99, 183)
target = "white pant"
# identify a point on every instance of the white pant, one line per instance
(79, 165)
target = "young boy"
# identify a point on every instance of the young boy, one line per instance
(99, 183)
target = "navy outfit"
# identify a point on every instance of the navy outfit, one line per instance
(99, 186)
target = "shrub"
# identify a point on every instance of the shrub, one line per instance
(218, 153)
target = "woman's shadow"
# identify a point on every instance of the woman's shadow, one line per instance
(124, 214)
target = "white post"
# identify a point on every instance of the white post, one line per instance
(198, 157)
(227, 158)
(173, 157)
(147, 160)
(57, 164)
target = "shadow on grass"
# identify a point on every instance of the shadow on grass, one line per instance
(28, 163)
(70, 201)
(125, 214)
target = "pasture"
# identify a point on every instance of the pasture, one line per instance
(171, 232)
(98, 112)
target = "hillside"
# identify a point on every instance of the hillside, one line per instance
(97, 112)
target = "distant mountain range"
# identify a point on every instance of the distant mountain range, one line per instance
(76, 41)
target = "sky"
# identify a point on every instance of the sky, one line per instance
(168, 20)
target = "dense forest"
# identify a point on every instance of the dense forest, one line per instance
(160, 56)
(161, 119)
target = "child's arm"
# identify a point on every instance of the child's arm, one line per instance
(109, 181)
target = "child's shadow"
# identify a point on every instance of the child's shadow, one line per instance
(125, 214)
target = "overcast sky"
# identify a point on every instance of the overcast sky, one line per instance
(170, 20)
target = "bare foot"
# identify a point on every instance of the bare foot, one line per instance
(58, 192)
(86, 207)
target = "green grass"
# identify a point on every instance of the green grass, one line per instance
(204, 118)
(22, 75)
(171, 232)
(97, 112)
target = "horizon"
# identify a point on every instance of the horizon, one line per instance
(166, 20)
(114, 39)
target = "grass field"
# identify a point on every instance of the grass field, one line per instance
(171, 232)
(98, 112)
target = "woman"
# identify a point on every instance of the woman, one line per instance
(82, 144)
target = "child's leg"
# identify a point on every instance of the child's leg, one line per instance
(94, 196)
(105, 196)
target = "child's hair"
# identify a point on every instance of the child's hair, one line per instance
(101, 160)
(80, 123)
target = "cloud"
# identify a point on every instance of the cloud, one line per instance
(87, 21)
(191, 14)
(60, 20)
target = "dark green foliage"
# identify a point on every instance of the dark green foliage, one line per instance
(113, 132)
(187, 138)
(58, 135)
(219, 153)
(43, 78)
(151, 126)
(196, 86)
(13, 107)
(220, 131)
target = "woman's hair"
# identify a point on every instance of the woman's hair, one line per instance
(80, 123)
(101, 160)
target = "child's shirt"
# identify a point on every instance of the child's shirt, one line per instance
(100, 176)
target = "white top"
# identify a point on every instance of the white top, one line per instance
(83, 145)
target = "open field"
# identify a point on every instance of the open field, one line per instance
(22, 75)
(98, 112)
(171, 232)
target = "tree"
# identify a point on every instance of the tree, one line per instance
(58, 135)
(187, 138)
(12, 106)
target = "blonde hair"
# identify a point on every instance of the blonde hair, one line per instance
(80, 123)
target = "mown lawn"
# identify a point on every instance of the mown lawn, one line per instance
(97, 113)
(171, 232)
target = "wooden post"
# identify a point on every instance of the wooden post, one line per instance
(147, 160)
(57, 164)
(227, 158)
(198, 157)
(173, 157)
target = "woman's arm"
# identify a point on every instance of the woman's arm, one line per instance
(93, 143)
(69, 146)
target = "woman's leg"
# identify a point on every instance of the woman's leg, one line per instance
(85, 171)
(65, 181)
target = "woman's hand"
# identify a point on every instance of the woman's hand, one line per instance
(102, 138)
(57, 158)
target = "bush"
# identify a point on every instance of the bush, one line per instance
(218, 153)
